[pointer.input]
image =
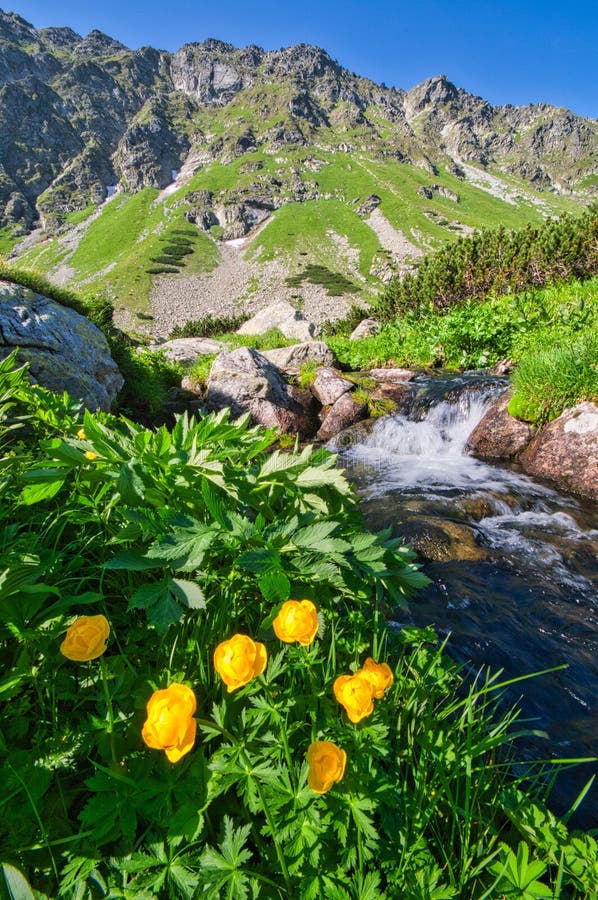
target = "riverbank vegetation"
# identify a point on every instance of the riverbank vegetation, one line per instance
(202, 696)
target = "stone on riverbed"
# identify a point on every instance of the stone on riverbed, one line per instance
(246, 381)
(498, 435)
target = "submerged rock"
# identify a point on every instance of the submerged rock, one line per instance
(65, 351)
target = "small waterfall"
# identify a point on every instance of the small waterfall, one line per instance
(513, 562)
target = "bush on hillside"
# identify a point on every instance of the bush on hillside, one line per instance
(497, 261)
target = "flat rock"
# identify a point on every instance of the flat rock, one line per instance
(289, 321)
(341, 414)
(398, 392)
(393, 376)
(291, 359)
(246, 381)
(65, 351)
(366, 328)
(329, 385)
(187, 350)
(566, 451)
(499, 435)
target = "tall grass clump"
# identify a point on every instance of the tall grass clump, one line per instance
(548, 380)
(200, 695)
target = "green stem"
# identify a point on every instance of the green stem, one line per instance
(109, 709)
(277, 847)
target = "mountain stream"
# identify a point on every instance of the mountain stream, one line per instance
(512, 563)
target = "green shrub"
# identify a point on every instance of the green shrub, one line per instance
(181, 539)
(209, 326)
(549, 380)
(162, 270)
(335, 283)
(497, 261)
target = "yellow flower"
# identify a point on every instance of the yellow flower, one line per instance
(238, 660)
(81, 434)
(326, 764)
(86, 638)
(378, 674)
(90, 454)
(355, 693)
(296, 621)
(170, 725)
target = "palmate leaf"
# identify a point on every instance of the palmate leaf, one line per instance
(165, 601)
(222, 871)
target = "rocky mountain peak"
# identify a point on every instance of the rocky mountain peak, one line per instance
(14, 28)
(99, 44)
(60, 38)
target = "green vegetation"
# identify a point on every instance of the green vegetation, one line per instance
(550, 379)
(80, 215)
(336, 284)
(177, 540)
(8, 239)
(497, 262)
(477, 333)
(209, 326)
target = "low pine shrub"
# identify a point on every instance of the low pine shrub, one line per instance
(162, 270)
(209, 326)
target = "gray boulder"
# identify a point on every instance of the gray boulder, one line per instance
(187, 350)
(291, 359)
(566, 451)
(341, 414)
(498, 435)
(246, 381)
(393, 376)
(65, 351)
(283, 316)
(328, 385)
(366, 328)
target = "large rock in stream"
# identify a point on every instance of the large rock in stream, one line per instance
(246, 381)
(65, 351)
(498, 435)
(566, 451)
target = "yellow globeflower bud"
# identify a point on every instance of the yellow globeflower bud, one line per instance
(81, 434)
(326, 764)
(89, 454)
(238, 660)
(378, 674)
(86, 638)
(296, 621)
(170, 725)
(355, 693)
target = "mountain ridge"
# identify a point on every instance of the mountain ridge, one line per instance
(108, 103)
(295, 163)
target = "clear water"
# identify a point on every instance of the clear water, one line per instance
(530, 600)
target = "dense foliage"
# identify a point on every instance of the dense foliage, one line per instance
(497, 261)
(173, 542)
(551, 379)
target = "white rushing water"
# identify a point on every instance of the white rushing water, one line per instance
(424, 459)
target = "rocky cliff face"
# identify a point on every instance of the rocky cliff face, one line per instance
(78, 115)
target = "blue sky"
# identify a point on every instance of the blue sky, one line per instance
(508, 51)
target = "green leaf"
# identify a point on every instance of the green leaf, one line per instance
(15, 884)
(132, 561)
(275, 586)
(189, 593)
(35, 493)
(260, 560)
